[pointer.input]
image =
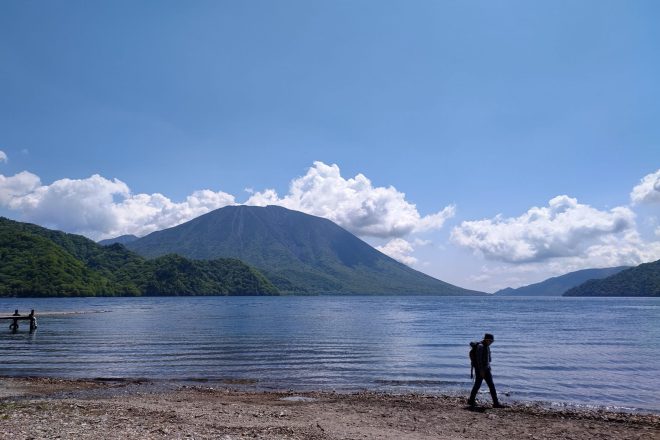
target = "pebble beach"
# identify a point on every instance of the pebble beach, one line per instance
(49, 408)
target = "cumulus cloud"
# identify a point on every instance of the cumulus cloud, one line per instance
(564, 228)
(400, 250)
(627, 249)
(353, 203)
(14, 189)
(648, 190)
(562, 237)
(100, 207)
(3, 156)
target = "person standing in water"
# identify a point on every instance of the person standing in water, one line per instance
(481, 362)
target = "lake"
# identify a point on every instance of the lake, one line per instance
(577, 351)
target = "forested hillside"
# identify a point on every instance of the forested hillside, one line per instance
(642, 280)
(36, 261)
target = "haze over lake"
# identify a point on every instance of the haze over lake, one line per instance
(581, 351)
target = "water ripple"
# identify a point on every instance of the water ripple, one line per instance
(577, 351)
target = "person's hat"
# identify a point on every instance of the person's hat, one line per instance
(489, 337)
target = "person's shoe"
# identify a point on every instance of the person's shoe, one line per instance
(498, 405)
(472, 402)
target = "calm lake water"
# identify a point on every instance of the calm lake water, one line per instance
(601, 352)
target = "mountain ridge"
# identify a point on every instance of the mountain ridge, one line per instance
(298, 252)
(638, 281)
(556, 286)
(122, 239)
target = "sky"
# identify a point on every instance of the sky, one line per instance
(488, 144)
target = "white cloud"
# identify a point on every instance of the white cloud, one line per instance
(648, 190)
(491, 278)
(421, 242)
(15, 188)
(627, 250)
(3, 156)
(353, 203)
(99, 207)
(400, 250)
(563, 237)
(565, 228)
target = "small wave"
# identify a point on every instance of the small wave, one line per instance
(594, 407)
(239, 381)
(415, 383)
(298, 399)
(71, 312)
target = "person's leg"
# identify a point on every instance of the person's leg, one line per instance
(488, 377)
(475, 389)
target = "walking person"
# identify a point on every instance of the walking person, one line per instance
(480, 357)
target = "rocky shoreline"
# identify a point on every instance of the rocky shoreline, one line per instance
(47, 408)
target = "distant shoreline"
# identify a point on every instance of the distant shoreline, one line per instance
(384, 295)
(50, 408)
(279, 295)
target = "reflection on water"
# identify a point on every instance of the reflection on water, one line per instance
(584, 351)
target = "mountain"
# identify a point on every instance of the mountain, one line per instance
(36, 261)
(299, 253)
(642, 280)
(556, 286)
(122, 239)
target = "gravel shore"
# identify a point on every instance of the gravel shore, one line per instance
(44, 408)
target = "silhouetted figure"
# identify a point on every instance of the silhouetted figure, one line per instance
(14, 325)
(33, 321)
(481, 364)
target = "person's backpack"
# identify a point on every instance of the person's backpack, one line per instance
(473, 357)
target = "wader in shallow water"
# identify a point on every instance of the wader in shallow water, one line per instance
(481, 365)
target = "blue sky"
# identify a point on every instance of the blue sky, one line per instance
(470, 109)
